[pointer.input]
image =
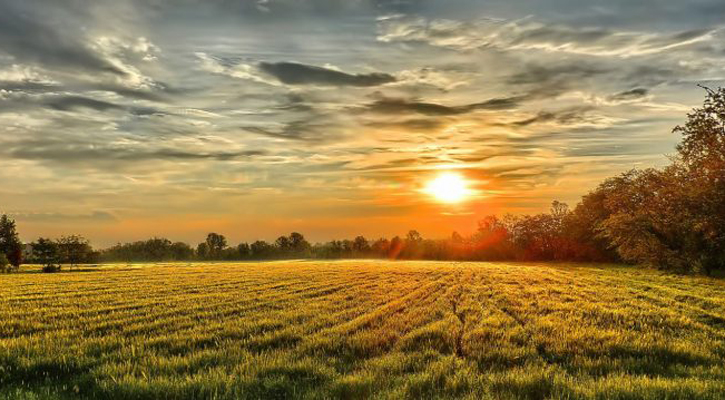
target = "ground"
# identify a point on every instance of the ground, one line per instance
(361, 329)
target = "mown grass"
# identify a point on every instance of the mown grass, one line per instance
(362, 329)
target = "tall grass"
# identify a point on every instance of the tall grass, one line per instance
(361, 329)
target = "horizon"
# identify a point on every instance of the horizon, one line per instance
(124, 120)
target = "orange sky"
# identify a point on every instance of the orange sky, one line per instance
(330, 117)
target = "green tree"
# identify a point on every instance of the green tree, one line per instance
(260, 250)
(46, 253)
(215, 243)
(202, 251)
(360, 245)
(74, 250)
(4, 264)
(244, 250)
(10, 244)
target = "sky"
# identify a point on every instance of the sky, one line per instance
(126, 119)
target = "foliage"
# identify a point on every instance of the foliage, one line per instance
(215, 245)
(10, 245)
(74, 250)
(46, 252)
(362, 329)
(4, 264)
(673, 218)
(154, 249)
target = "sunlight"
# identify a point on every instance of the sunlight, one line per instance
(448, 187)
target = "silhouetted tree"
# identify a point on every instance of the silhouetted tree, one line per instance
(260, 250)
(73, 250)
(181, 251)
(202, 251)
(360, 245)
(46, 253)
(396, 247)
(216, 243)
(244, 250)
(10, 244)
(4, 263)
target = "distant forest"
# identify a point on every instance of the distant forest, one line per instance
(671, 218)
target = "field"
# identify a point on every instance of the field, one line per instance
(361, 329)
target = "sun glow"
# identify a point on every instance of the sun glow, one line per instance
(448, 187)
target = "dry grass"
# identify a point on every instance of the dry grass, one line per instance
(360, 329)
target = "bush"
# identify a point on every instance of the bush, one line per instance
(51, 268)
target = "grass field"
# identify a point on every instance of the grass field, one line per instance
(360, 329)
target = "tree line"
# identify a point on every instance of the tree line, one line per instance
(671, 218)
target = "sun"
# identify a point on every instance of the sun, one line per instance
(448, 187)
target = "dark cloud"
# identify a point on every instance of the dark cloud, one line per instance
(540, 74)
(629, 95)
(80, 152)
(27, 86)
(402, 106)
(301, 74)
(70, 103)
(302, 130)
(564, 117)
(420, 124)
(44, 35)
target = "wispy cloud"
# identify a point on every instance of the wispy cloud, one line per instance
(285, 109)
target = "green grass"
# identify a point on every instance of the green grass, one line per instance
(362, 329)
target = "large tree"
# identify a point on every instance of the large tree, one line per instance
(46, 253)
(215, 243)
(74, 250)
(10, 244)
(674, 218)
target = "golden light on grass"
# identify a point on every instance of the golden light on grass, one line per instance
(448, 187)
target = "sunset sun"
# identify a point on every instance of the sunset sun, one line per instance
(448, 187)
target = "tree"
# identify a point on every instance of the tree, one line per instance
(360, 245)
(46, 253)
(298, 244)
(181, 251)
(244, 250)
(10, 245)
(674, 218)
(283, 244)
(491, 240)
(73, 250)
(4, 264)
(703, 136)
(154, 249)
(215, 243)
(380, 247)
(701, 167)
(260, 250)
(395, 248)
(202, 251)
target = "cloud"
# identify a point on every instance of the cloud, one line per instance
(94, 153)
(300, 74)
(530, 35)
(29, 35)
(419, 124)
(398, 106)
(96, 216)
(69, 103)
(628, 95)
(302, 130)
(573, 117)
(546, 74)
